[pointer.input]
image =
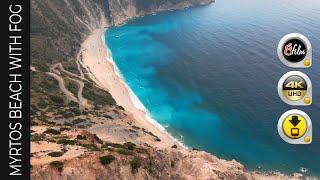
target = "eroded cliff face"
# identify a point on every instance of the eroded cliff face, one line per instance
(60, 123)
(63, 24)
(121, 11)
(155, 164)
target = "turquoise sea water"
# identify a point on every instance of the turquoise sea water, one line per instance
(209, 76)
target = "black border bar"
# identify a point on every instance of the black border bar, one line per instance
(16, 120)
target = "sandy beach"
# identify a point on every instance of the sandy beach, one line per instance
(97, 60)
(82, 163)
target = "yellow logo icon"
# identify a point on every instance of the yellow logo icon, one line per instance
(295, 127)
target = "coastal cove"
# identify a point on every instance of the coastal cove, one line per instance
(165, 89)
(182, 66)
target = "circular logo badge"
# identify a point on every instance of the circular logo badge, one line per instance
(294, 50)
(294, 88)
(295, 127)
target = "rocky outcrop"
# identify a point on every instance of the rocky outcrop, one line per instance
(154, 164)
(63, 24)
(58, 28)
(121, 11)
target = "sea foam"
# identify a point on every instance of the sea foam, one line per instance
(134, 98)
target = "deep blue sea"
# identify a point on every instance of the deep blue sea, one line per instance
(209, 75)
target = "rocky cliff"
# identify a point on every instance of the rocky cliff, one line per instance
(70, 113)
(63, 24)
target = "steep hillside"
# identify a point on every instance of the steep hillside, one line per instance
(62, 25)
(78, 130)
(57, 30)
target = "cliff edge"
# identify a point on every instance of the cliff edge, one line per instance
(79, 130)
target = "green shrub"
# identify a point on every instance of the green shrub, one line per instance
(52, 131)
(135, 164)
(72, 86)
(43, 118)
(107, 116)
(48, 84)
(33, 123)
(107, 159)
(57, 164)
(97, 139)
(66, 114)
(55, 154)
(64, 129)
(120, 107)
(33, 112)
(150, 133)
(60, 110)
(36, 137)
(72, 67)
(78, 121)
(129, 145)
(73, 104)
(57, 99)
(149, 166)
(67, 124)
(174, 146)
(97, 96)
(115, 145)
(75, 111)
(91, 147)
(66, 142)
(42, 103)
(125, 151)
(81, 137)
(142, 150)
(135, 127)
(172, 164)
(107, 148)
(81, 126)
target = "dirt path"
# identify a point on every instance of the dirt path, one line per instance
(58, 72)
(62, 87)
(81, 99)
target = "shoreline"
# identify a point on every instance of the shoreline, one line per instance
(97, 60)
(133, 97)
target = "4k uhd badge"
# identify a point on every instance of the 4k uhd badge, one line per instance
(295, 88)
(294, 50)
(295, 127)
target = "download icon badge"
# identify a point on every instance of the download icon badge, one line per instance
(295, 127)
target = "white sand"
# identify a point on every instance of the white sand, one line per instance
(98, 61)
